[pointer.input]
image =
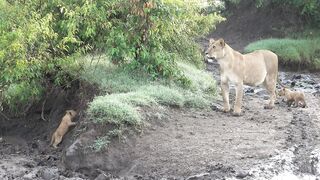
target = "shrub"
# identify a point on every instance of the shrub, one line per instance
(38, 42)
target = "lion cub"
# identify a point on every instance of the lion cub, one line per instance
(293, 97)
(66, 122)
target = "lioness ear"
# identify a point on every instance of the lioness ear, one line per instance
(211, 40)
(221, 42)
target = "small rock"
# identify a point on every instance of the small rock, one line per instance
(296, 76)
(241, 174)
(31, 175)
(197, 176)
(215, 107)
(249, 90)
(101, 177)
(261, 92)
(179, 136)
(48, 174)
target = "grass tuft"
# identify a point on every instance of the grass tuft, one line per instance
(168, 96)
(108, 109)
(291, 51)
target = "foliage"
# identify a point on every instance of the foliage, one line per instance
(38, 40)
(303, 52)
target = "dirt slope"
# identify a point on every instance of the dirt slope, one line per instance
(246, 23)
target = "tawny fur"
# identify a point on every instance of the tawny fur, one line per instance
(293, 97)
(63, 128)
(258, 67)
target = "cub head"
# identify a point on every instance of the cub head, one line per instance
(283, 91)
(71, 113)
(216, 49)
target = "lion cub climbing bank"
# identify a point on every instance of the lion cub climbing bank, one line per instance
(258, 67)
(293, 97)
(63, 127)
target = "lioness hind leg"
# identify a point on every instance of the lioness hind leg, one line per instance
(270, 84)
(238, 101)
(57, 141)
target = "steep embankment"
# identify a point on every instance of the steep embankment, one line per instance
(246, 23)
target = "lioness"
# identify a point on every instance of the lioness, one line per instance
(252, 69)
(293, 97)
(66, 122)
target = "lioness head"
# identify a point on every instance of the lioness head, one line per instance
(72, 113)
(216, 49)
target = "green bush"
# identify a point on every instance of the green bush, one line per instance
(38, 43)
(291, 51)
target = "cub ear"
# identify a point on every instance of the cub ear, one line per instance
(221, 42)
(211, 40)
(69, 112)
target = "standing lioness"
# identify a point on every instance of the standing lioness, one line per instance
(252, 69)
(66, 122)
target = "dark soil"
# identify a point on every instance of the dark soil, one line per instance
(24, 141)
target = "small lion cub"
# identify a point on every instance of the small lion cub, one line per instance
(293, 97)
(66, 122)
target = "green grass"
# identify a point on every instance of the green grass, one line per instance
(109, 77)
(109, 109)
(305, 52)
(123, 91)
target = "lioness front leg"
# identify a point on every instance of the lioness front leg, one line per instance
(238, 101)
(225, 95)
(270, 84)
